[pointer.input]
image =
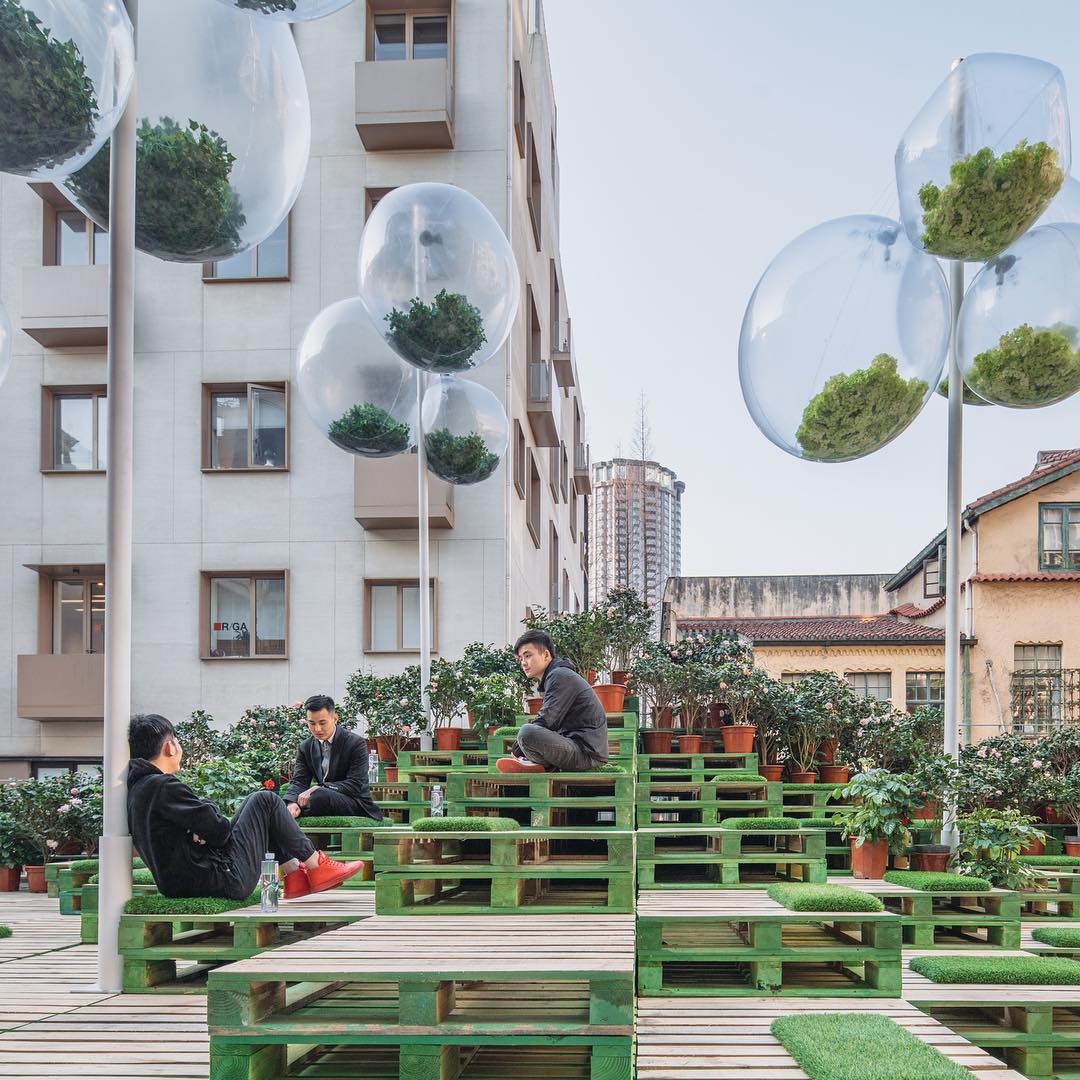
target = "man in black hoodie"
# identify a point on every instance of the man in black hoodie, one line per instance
(570, 732)
(191, 850)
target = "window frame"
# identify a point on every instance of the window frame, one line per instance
(210, 278)
(932, 590)
(534, 186)
(54, 203)
(1068, 510)
(88, 585)
(572, 505)
(214, 389)
(401, 584)
(92, 231)
(520, 107)
(410, 13)
(863, 691)
(520, 459)
(50, 396)
(533, 501)
(911, 705)
(206, 577)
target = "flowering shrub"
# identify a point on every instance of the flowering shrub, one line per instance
(389, 703)
(494, 700)
(226, 782)
(627, 622)
(33, 807)
(79, 816)
(447, 691)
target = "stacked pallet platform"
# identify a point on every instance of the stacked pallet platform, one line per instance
(703, 803)
(88, 910)
(691, 767)
(622, 739)
(353, 842)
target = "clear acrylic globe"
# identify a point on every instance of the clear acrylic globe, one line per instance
(985, 156)
(1019, 327)
(354, 387)
(844, 339)
(290, 10)
(7, 344)
(438, 277)
(466, 431)
(1064, 208)
(223, 132)
(65, 75)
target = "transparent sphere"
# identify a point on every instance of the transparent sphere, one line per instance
(1019, 325)
(844, 339)
(354, 387)
(438, 277)
(7, 342)
(290, 10)
(465, 430)
(65, 75)
(222, 137)
(984, 156)
(1064, 208)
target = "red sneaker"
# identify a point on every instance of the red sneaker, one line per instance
(518, 765)
(297, 884)
(330, 873)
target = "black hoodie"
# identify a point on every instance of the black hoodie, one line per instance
(571, 708)
(164, 814)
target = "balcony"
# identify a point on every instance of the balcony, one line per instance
(541, 405)
(385, 496)
(405, 104)
(61, 686)
(561, 357)
(66, 305)
(582, 469)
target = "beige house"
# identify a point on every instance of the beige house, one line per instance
(1020, 582)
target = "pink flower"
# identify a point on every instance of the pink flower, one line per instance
(273, 723)
(1038, 764)
(746, 671)
(297, 704)
(864, 720)
(76, 802)
(52, 845)
(981, 752)
(64, 809)
(74, 791)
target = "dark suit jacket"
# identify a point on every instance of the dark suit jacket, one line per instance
(347, 775)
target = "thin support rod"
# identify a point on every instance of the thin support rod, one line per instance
(422, 537)
(115, 844)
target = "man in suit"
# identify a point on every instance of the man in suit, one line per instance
(330, 777)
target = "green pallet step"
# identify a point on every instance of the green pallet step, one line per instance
(350, 844)
(702, 804)
(88, 912)
(622, 746)
(691, 766)
(1059, 897)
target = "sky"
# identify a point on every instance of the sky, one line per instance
(696, 139)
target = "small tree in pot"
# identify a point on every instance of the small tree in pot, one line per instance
(696, 684)
(34, 807)
(447, 695)
(655, 674)
(877, 822)
(1065, 794)
(79, 816)
(991, 842)
(742, 688)
(391, 706)
(15, 853)
(627, 623)
(494, 701)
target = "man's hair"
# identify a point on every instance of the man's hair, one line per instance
(535, 637)
(318, 702)
(147, 734)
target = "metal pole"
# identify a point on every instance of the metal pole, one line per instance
(115, 844)
(954, 481)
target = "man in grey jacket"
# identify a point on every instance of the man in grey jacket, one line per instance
(570, 732)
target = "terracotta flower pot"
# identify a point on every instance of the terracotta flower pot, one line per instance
(391, 774)
(534, 704)
(658, 740)
(826, 751)
(448, 738)
(1053, 817)
(796, 777)
(9, 878)
(738, 738)
(708, 744)
(773, 773)
(385, 749)
(927, 812)
(1072, 846)
(590, 677)
(869, 859)
(611, 695)
(491, 729)
(690, 744)
(1036, 847)
(932, 858)
(35, 879)
(620, 677)
(834, 774)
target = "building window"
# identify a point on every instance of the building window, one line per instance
(392, 623)
(791, 678)
(519, 108)
(565, 591)
(553, 473)
(78, 616)
(871, 684)
(932, 583)
(1036, 688)
(520, 459)
(924, 688)
(554, 565)
(372, 197)
(246, 426)
(401, 35)
(50, 768)
(74, 428)
(1059, 536)
(245, 615)
(78, 241)
(573, 513)
(268, 261)
(564, 470)
(533, 186)
(532, 502)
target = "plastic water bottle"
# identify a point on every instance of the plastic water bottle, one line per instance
(437, 808)
(373, 766)
(269, 887)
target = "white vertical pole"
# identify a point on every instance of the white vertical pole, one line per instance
(115, 844)
(423, 541)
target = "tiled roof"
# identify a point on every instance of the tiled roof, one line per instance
(1048, 460)
(813, 628)
(1067, 575)
(913, 611)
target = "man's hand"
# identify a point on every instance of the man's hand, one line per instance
(304, 796)
(293, 808)
(198, 839)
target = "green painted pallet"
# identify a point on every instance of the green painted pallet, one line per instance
(527, 871)
(711, 858)
(403, 801)
(1058, 898)
(88, 912)
(69, 885)
(53, 871)
(700, 804)
(622, 746)
(738, 944)
(434, 765)
(811, 800)
(691, 766)
(354, 843)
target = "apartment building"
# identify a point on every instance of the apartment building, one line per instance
(268, 563)
(635, 529)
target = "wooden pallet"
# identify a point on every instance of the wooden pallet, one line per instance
(701, 804)
(166, 953)
(622, 746)
(1036, 1029)
(354, 843)
(434, 994)
(691, 766)
(433, 766)
(736, 943)
(949, 919)
(69, 888)
(1057, 899)
(88, 910)
(527, 871)
(1029, 944)
(711, 1039)
(711, 858)
(809, 800)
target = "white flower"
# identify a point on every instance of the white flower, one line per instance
(76, 802)
(1038, 764)
(64, 809)
(273, 723)
(52, 845)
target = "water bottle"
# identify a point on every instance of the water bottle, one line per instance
(373, 766)
(437, 808)
(269, 887)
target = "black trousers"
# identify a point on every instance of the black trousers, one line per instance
(325, 802)
(261, 824)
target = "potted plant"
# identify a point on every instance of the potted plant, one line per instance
(459, 459)
(33, 806)
(15, 853)
(838, 710)
(440, 336)
(1029, 367)
(79, 816)
(654, 674)
(580, 638)
(226, 782)
(855, 414)
(934, 776)
(1066, 797)
(494, 701)
(371, 430)
(991, 842)
(391, 706)
(200, 739)
(741, 687)
(447, 694)
(877, 821)
(695, 683)
(627, 621)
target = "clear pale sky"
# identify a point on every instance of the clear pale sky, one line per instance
(696, 139)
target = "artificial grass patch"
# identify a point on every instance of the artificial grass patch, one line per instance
(800, 896)
(465, 824)
(84, 866)
(927, 881)
(5, 931)
(331, 822)
(819, 823)
(1061, 937)
(760, 824)
(1049, 860)
(139, 876)
(185, 905)
(509, 729)
(740, 776)
(1013, 970)
(609, 767)
(861, 1046)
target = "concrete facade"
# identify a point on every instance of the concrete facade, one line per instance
(189, 332)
